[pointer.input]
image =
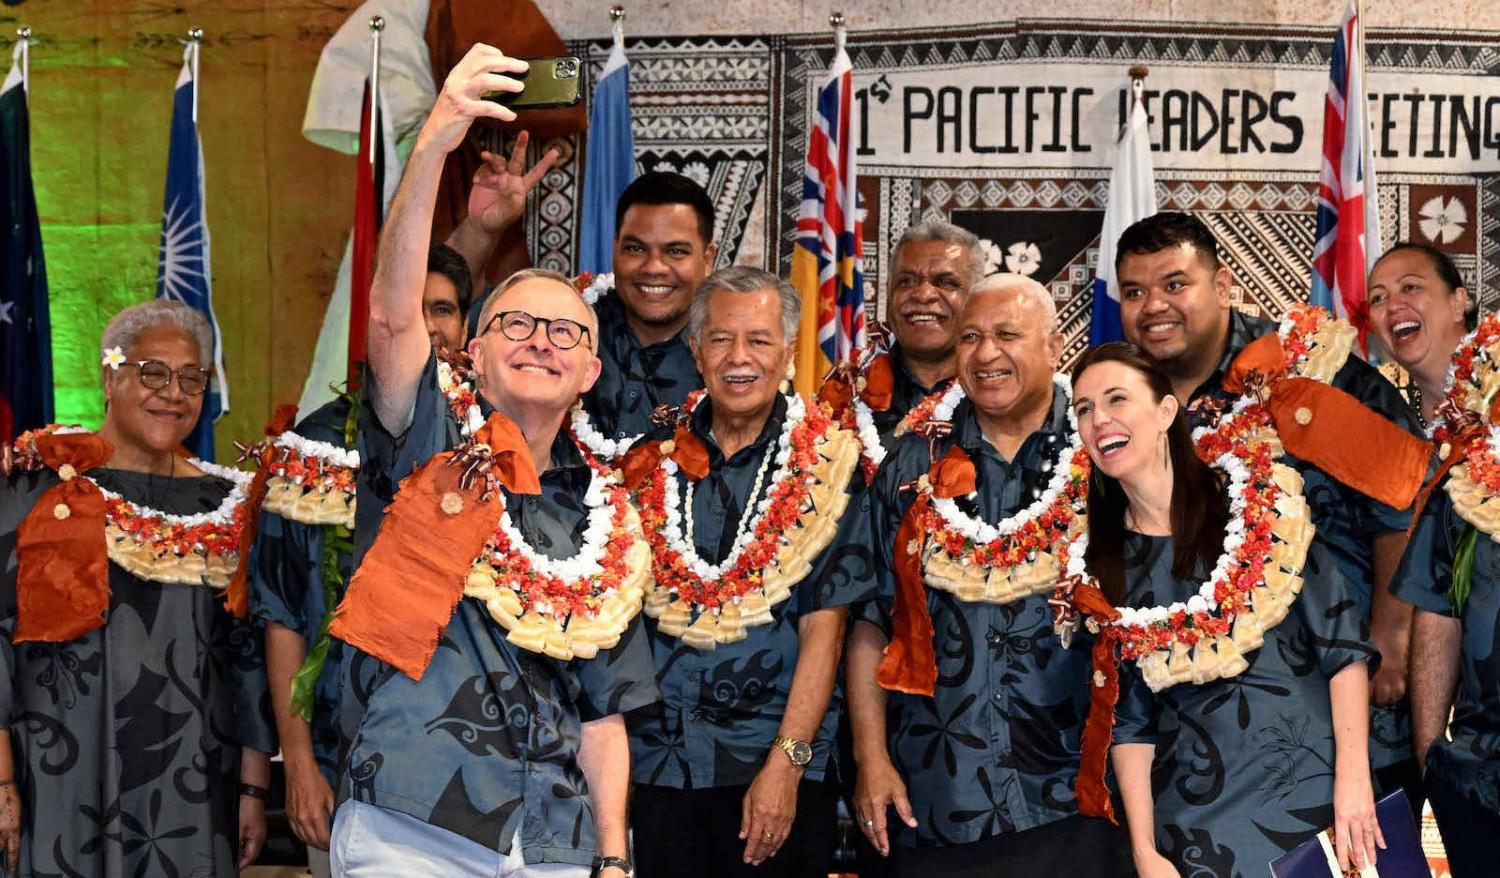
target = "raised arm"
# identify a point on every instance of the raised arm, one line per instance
(497, 197)
(397, 343)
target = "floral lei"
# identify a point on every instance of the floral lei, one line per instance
(1466, 431)
(1023, 554)
(593, 287)
(197, 549)
(564, 607)
(310, 481)
(814, 460)
(1255, 579)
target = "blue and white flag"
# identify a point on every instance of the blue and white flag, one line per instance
(609, 165)
(183, 273)
(1132, 197)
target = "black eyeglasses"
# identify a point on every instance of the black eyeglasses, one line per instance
(156, 375)
(564, 334)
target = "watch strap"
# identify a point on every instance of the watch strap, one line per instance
(602, 863)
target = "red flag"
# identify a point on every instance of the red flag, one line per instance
(368, 184)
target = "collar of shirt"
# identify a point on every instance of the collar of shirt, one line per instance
(1243, 329)
(969, 435)
(566, 467)
(615, 331)
(907, 383)
(701, 424)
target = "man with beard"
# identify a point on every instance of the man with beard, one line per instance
(1175, 305)
(663, 250)
(480, 497)
(740, 501)
(969, 728)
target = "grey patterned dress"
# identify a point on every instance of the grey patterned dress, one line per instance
(127, 740)
(1244, 766)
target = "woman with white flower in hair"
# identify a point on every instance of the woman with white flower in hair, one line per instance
(132, 692)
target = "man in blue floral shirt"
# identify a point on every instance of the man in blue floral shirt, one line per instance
(663, 249)
(730, 768)
(980, 773)
(1175, 304)
(481, 756)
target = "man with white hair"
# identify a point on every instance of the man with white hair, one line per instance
(741, 498)
(968, 730)
(492, 644)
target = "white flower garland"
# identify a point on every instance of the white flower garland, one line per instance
(594, 441)
(979, 531)
(223, 515)
(584, 563)
(1204, 601)
(869, 436)
(602, 285)
(331, 455)
(673, 532)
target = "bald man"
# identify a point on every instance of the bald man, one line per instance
(977, 779)
(482, 757)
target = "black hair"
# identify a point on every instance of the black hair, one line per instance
(1200, 505)
(1167, 229)
(444, 260)
(1447, 272)
(665, 187)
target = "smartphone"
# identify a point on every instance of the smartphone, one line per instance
(550, 82)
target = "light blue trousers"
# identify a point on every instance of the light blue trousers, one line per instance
(374, 842)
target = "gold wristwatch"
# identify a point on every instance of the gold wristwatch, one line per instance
(800, 752)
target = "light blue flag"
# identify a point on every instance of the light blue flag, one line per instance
(183, 273)
(609, 165)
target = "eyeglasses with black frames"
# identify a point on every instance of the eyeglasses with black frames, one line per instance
(156, 375)
(564, 334)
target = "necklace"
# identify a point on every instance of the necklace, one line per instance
(1022, 554)
(1254, 581)
(808, 469)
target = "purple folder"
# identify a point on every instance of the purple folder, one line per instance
(1402, 857)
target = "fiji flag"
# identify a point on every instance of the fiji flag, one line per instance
(828, 257)
(1132, 197)
(25, 330)
(610, 163)
(184, 271)
(1348, 231)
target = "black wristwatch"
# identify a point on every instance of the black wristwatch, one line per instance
(602, 863)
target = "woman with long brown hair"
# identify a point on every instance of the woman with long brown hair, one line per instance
(1245, 701)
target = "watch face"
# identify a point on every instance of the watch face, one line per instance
(801, 753)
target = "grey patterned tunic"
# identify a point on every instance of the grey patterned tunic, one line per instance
(127, 739)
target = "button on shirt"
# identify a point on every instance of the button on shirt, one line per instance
(1470, 762)
(286, 587)
(722, 708)
(635, 378)
(486, 743)
(995, 750)
(1347, 521)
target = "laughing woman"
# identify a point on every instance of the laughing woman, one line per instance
(1256, 738)
(126, 689)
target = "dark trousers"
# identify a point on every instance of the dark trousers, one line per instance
(1082, 846)
(1404, 776)
(696, 834)
(1469, 831)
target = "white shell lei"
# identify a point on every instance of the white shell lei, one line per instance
(674, 531)
(980, 531)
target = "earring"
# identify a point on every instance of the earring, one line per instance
(1165, 455)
